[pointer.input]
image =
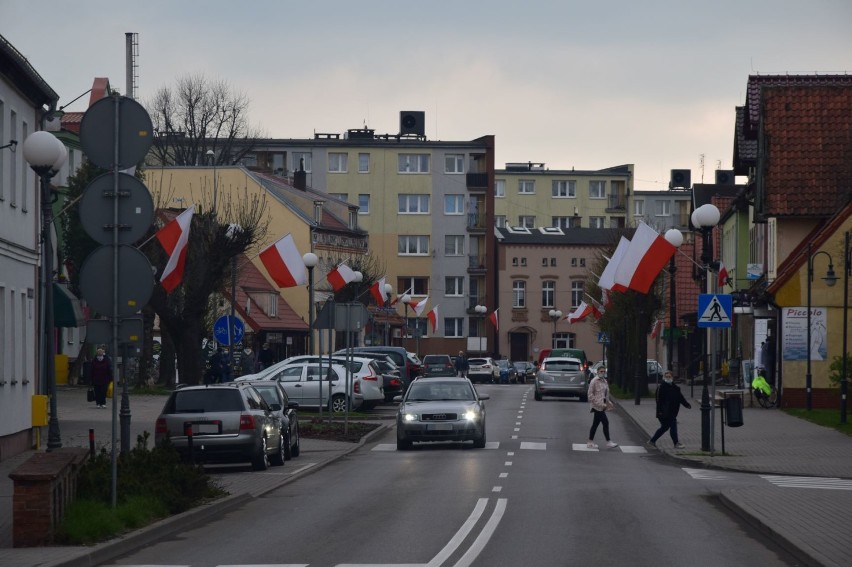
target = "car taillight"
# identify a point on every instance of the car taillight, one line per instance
(246, 421)
(371, 376)
(161, 426)
(395, 382)
(356, 387)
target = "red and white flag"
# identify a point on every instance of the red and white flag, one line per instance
(340, 276)
(598, 310)
(174, 238)
(723, 274)
(433, 317)
(494, 320)
(378, 291)
(398, 297)
(580, 313)
(657, 329)
(284, 263)
(419, 306)
(646, 256)
(607, 280)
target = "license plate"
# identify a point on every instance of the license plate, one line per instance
(207, 428)
(440, 427)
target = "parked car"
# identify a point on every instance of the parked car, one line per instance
(275, 395)
(482, 370)
(441, 409)
(228, 422)
(526, 370)
(507, 372)
(561, 376)
(310, 388)
(410, 367)
(438, 365)
(369, 386)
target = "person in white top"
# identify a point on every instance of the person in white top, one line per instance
(599, 400)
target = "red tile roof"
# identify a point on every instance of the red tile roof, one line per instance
(250, 281)
(71, 121)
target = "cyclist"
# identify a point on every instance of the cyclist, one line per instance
(760, 386)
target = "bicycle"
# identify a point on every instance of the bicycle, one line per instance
(767, 401)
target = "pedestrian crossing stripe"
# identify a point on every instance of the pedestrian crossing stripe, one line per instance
(715, 310)
(530, 446)
(809, 482)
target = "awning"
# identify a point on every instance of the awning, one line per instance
(66, 308)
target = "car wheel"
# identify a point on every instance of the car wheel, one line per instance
(288, 451)
(338, 404)
(537, 396)
(261, 461)
(403, 444)
(297, 446)
(281, 454)
(480, 443)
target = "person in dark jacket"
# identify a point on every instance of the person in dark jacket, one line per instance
(101, 377)
(265, 357)
(669, 400)
(215, 368)
(462, 365)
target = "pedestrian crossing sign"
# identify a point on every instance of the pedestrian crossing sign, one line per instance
(714, 310)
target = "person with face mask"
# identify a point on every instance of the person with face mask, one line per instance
(101, 377)
(669, 400)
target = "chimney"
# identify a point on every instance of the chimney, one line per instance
(300, 177)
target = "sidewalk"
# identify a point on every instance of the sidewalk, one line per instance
(811, 523)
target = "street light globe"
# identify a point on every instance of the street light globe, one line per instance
(310, 259)
(674, 237)
(44, 152)
(706, 216)
(481, 309)
(388, 288)
(359, 277)
(406, 299)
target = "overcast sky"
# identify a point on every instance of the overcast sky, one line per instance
(586, 84)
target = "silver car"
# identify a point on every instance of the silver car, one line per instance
(441, 409)
(228, 423)
(560, 376)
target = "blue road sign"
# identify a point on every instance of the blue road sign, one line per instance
(714, 310)
(603, 338)
(220, 330)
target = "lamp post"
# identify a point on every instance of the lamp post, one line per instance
(212, 157)
(386, 310)
(555, 316)
(233, 231)
(675, 238)
(830, 279)
(843, 367)
(46, 154)
(406, 300)
(480, 311)
(310, 259)
(704, 218)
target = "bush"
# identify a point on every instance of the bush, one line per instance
(837, 370)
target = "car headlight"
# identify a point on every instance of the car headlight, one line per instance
(471, 415)
(409, 417)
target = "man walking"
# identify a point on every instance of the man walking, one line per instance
(669, 400)
(462, 365)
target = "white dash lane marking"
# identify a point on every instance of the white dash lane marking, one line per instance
(533, 446)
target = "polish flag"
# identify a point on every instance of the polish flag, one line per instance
(723, 274)
(340, 276)
(398, 297)
(580, 313)
(284, 263)
(598, 310)
(433, 318)
(174, 238)
(419, 306)
(378, 291)
(494, 320)
(657, 329)
(646, 256)
(607, 280)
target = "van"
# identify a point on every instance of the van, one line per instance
(399, 355)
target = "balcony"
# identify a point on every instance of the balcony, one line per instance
(476, 264)
(476, 222)
(616, 203)
(477, 182)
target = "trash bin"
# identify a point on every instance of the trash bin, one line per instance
(734, 411)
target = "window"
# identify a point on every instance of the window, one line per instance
(560, 222)
(297, 161)
(526, 187)
(413, 163)
(519, 294)
(526, 221)
(597, 189)
(363, 204)
(363, 163)
(341, 196)
(597, 222)
(454, 245)
(523, 261)
(414, 285)
(413, 204)
(454, 286)
(454, 163)
(272, 304)
(514, 261)
(573, 262)
(500, 221)
(577, 289)
(338, 162)
(548, 292)
(453, 204)
(553, 262)
(411, 245)
(564, 189)
(499, 188)
(582, 262)
(453, 327)
(663, 208)
(639, 207)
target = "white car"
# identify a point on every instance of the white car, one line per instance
(305, 384)
(483, 369)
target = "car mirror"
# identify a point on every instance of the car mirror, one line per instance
(293, 405)
(397, 399)
(275, 407)
(484, 396)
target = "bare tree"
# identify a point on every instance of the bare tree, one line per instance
(197, 115)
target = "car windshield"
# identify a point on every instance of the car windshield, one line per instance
(432, 391)
(207, 400)
(562, 366)
(478, 361)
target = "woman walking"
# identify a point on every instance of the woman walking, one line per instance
(101, 377)
(599, 400)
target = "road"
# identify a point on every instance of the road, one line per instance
(534, 496)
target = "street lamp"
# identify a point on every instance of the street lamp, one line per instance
(843, 367)
(480, 311)
(555, 315)
(406, 300)
(386, 310)
(704, 218)
(675, 238)
(212, 157)
(830, 279)
(233, 231)
(310, 259)
(46, 154)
